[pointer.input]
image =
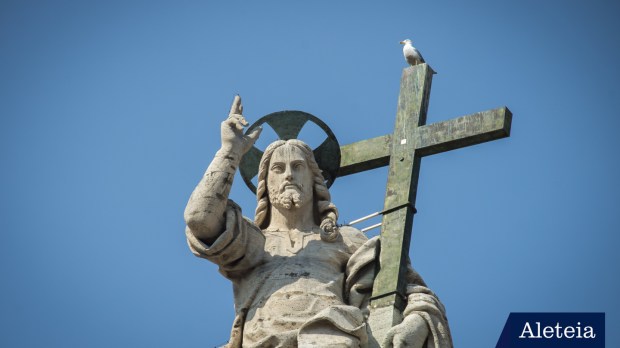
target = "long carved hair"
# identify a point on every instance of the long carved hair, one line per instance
(325, 212)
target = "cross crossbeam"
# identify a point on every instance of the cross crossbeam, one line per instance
(402, 151)
(431, 139)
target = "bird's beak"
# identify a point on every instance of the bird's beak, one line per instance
(402, 42)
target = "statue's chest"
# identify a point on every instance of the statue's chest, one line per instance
(305, 246)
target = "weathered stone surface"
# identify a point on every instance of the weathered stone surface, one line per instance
(298, 279)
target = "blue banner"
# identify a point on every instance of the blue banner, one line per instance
(566, 330)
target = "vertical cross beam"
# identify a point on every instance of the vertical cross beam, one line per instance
(388, 294)
(403, 150)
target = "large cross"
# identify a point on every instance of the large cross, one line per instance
(402, 151)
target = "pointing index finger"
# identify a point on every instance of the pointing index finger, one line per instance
(236, 107)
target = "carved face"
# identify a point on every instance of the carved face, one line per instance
(289, 179)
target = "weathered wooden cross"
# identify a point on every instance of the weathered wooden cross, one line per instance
(403, 150)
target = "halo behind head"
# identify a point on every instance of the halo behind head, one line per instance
(288, 125)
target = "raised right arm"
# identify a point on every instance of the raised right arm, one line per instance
(204, 214)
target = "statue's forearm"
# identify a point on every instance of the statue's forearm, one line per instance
(204, 214)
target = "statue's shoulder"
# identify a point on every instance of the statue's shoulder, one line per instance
(352, 237)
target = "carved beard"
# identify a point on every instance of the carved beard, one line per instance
(286, 198)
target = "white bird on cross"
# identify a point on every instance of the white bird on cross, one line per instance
(412, 55)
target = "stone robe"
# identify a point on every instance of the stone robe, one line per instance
(299, 291)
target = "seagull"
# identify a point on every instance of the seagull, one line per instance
(412, 55)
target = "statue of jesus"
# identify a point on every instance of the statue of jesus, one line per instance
(299, 279)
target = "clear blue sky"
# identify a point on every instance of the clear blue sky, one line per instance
(110, 111)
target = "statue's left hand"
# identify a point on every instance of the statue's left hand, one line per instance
(411, 333)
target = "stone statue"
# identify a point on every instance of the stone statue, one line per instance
(299, 279)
